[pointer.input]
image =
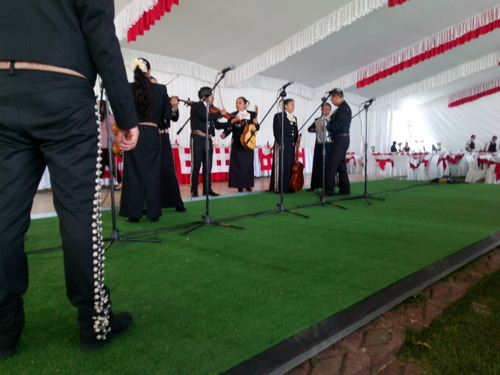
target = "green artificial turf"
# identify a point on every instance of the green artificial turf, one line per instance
(207, 301)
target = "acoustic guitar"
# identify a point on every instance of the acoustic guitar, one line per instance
(248, 138)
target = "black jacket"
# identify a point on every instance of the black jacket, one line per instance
(75, 34)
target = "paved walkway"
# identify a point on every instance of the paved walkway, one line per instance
(371, 349)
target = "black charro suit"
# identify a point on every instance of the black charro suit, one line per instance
(241, 172)
(141, 167)
(339, 129)
(290, 137)
(49, 118)
(198, 144)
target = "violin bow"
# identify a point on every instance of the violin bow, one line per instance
(173, 79)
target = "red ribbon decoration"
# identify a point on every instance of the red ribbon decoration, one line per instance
(454, 159)
(149, 18)
(471, 98)
(467, 37)
(497, 168)
(393, 3)
(383, 162)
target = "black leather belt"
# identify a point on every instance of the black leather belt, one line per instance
(341, 135)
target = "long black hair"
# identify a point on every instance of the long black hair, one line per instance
(143, 95)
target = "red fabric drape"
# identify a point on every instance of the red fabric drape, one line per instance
(149, 18)
(471, 98)
(393, 3)
(473, 34)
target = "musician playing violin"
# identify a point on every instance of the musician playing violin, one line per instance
(198, 139)
(241, 173)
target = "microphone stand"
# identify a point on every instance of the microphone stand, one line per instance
(322, 200)
(115, 233)
(281, 207)
(206, 219)
(365, 193)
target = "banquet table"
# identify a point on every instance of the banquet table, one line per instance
(412, 165)
(493, 171)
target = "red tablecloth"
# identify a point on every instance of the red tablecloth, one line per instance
(182, 162)
(119, 166)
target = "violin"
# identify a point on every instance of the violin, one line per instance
(217, 110)
(116, 148)
(297, 179)
(187, 103)
(249, 135)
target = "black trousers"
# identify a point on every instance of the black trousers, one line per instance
(141, 176)
(48, 119)
(335, 163)
(170, 191)
(198, 157)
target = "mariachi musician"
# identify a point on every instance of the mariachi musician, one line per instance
(290, 138)
(318, 127)
(198, 139)
(241, 173)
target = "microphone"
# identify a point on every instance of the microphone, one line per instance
(225, 70)
(287, 84)
(369, 102)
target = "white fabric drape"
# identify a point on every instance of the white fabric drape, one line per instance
(454, 126)
(475, 91)
(444, 78)
(305, 38)
(130, 15)
(426, 45)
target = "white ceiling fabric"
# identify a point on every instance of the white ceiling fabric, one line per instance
(321, 44)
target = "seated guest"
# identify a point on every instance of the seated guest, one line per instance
(393, 147)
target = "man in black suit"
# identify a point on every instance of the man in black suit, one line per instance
(471, 146)
(50, 53)
(198, 140)
(338, 128)
(492, 147)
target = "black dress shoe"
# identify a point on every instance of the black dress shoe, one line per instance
(240, 190)
(248, 189)
(119, 324)
(132, 220)
(311, 189)
(194, 195)
(213, 193)
(180, 209)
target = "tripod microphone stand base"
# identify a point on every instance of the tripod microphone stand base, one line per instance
(365, 196)
(322, 202)
(115, 237)
(280, 208)
(207, 221)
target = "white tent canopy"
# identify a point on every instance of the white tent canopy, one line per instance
(321, 44)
